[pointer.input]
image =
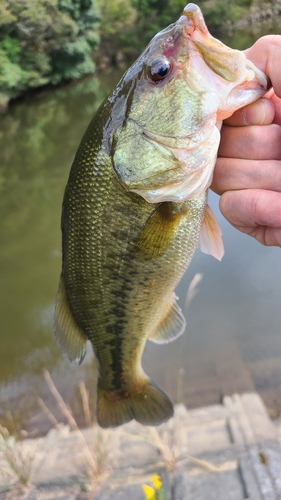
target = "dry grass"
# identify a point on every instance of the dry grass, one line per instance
(16, 465)
(171, 443)
(95, 462)
(168, 439)
(92, 448)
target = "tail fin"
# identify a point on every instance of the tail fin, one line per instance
(150, 406)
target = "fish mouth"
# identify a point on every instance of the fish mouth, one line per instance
(230, 64)
(194, 19)
(214, 67)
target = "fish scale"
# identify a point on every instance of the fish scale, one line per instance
(120, 278)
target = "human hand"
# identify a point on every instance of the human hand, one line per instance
(248, 169)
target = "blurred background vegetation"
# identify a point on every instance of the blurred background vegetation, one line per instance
(45, 42)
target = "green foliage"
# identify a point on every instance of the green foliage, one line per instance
(153, 15)
(117, 19)
(45, 41)
(222, 14)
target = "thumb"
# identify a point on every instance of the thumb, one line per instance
(266, 55)
(260, 112)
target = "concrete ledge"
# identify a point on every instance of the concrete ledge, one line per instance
(222, 452)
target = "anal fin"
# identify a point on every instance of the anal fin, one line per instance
(171, 326)
(69, 337)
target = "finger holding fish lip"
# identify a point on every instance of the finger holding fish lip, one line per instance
(266, 55)
(250, 151)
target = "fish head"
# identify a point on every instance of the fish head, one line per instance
(178, 92)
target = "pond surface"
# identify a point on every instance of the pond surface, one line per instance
(233, 337)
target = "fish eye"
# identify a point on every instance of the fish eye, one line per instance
(159, 69)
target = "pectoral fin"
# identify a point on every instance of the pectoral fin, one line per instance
(210, 236)
(159, 229)
(171, 326)
(69, 337)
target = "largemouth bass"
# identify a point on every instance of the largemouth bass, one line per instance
(135, 207)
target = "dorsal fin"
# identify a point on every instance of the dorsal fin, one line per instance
(210, 235)
(171, 325)
(69, 337)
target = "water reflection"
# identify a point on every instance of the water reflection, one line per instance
(38, 139)
(233, 339)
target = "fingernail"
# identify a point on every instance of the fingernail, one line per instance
(258, 113)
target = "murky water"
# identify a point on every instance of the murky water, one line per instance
(233, 338)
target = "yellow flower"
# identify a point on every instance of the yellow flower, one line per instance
(149, 492)
(156, 480)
